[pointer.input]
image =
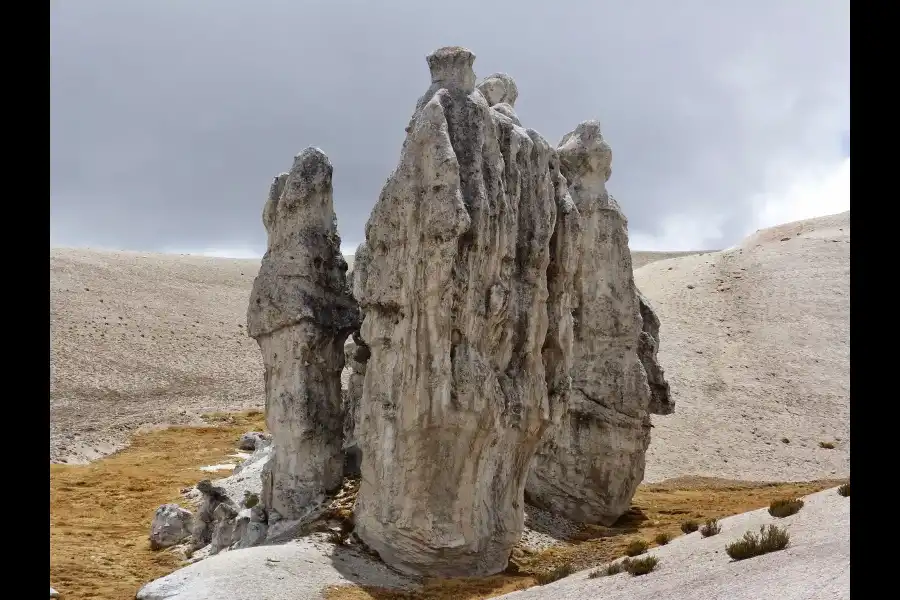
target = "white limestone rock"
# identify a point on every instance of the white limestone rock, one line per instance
(453, 283)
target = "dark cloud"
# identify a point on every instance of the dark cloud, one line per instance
(169, 118)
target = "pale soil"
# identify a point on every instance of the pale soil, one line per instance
(142, 339)
(757, 352)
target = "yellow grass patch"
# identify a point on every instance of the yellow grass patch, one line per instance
(100, 513)
(100, 517)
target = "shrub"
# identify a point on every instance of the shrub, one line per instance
(785, 507)
(663, 538)
(770, 539)
(826, 445)
(641, 566)
(689, 526)
(636, 547)
(844, 490)
(611, 569)
(555, 574)
(711, 528)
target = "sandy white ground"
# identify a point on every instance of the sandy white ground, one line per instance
(814, 566)
(756, 346)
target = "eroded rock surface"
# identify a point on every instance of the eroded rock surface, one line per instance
(171, 524)
(301, 311)
(660, 401)
(589, 467)
(465, 281)
(356, 354)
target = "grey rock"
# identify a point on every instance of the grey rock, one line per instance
(661, 402)
(204, 523)
(171, 524)
(588, 468)
(253, 440)
(224, 532)
(54, 593)
(453, 282)
(301, 311)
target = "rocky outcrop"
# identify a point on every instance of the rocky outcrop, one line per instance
(660, 401)
(589, 467)
(356, 354)
(253, 440)
(301, 311)
(465, 283)
(204, 524)
(171, 524)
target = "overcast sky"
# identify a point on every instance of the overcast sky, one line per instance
(169, 118)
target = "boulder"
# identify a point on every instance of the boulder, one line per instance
(253, 440)
(204, 524)
(469, 256)
(171, 524)
(589, 467)
(301, 311)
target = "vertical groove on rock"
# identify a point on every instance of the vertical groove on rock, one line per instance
(300, 313)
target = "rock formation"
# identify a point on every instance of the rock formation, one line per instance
(356, 354)
(301, 311)
(660, 401)
(171, 524)
(589, 467)
(465, 281)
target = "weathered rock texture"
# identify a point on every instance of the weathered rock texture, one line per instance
(660, 401)
(171, 524)
(465, 283)
(589, 467)
(301, 311)
(356, 354)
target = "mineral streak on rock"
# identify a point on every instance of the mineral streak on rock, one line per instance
(589, 467)
(301, 311)
(453, 283)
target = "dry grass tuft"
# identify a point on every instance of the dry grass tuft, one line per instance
(770, 539)
(554, 574)
(640, 566)
(689, 526)
(710, 528)
(785, 507)
(844, 490)
(636, 547)
(662, 538)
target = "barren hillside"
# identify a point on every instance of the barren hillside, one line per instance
(755, 341)
(756, 351)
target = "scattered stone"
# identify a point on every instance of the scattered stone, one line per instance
(54, 593)
(171, 524)
(301, 311)
(785, 239)
(690, 286)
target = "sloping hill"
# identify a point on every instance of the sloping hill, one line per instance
(755, 341)
(140, 339)
(814, 566)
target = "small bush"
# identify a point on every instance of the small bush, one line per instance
(844, 490)
(611, 569)
(640, 566)
(785, 507)
(663, 538)
(689, 526)
(770, 539)
(711, 528)
(554, 574)
(826, 445)
(636, 547)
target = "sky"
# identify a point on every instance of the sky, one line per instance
(169, 119)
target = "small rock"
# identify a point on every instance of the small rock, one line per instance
(253, 440)
(690, 286)
(170, 525)
(54, 593)
(784, 239)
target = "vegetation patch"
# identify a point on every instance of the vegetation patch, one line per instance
(689, 526)
(710, 528)
(770, 539)
(844, 490)
(662, 538)
(640, 566)
(636, 547)
(785, 507)
(554, 574)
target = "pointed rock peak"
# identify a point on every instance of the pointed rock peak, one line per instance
(499, 88)
(312, 170)
(451, 67)
(584, 154)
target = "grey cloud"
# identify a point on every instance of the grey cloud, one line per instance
(169, 118)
